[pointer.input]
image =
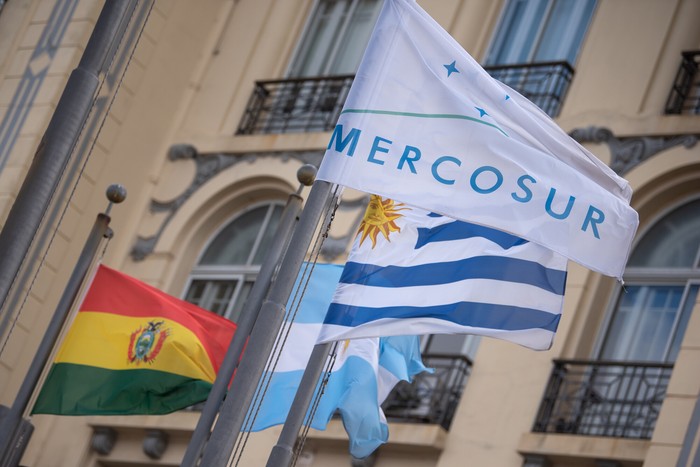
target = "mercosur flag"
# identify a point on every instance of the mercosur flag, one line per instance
(424, 124)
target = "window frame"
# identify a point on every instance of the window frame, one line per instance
(686, 277)
(507, 13)
(239, 273)
(294, 68)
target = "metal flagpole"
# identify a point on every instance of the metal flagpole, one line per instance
(57, 144)
(228, 426)
(282, 453)
(14, 430)
(306, 176)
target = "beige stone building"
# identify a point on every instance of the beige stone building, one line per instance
(222, 101)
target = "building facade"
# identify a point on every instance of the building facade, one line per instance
(207, 113)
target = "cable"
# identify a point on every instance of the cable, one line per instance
(80, 172)
(283, 335)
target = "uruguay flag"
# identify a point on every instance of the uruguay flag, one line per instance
(364, 373)
(414, 272)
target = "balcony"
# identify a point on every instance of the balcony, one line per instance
(545, 84)
(313, 104)
(685, 93)
(295, 105)
(603, 398)
(430, 398)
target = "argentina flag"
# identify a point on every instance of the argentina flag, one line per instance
(364, 373)
(414, 272)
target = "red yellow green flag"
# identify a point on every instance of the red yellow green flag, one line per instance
(133, 349)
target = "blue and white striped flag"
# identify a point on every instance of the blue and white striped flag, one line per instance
(365, 371)
(414, 272)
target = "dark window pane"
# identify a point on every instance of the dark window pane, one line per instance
(671, 243)
(235, 242)
(683, 322)
(221, 292)
(643, 325)
(212, 295)
(196, 292)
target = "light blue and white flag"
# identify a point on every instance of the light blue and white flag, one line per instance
(364, 373)
(414, 272)
(426, 125)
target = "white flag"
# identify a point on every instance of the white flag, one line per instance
(424, 124)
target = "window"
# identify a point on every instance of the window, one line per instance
(535, 45)
(450, 344)
(540, 31)
(620, 392)
(226, 270)
(335, 37)
(624, 392)
(662, 281)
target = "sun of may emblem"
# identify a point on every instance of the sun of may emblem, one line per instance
(380, 217)
(146, 342)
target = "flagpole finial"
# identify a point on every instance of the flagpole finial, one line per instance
(306, 176)
(116, 193)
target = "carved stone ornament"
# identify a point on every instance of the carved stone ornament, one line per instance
(207, 167)
(628, 152)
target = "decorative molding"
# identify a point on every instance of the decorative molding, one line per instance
(33, 76)
(103, 439)
(628, 152)
(207, 167)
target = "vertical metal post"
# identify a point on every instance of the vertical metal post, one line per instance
(228, 426)
(282, 453)
(56, 146)
(13, 439)
(285, 228)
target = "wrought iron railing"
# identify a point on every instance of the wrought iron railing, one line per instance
(685, 93)
(545, 83)
(314, 104)
(295, 105)
(431, 397)
(603, 398)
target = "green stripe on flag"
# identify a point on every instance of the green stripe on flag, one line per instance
(419, 115)
(72, 389)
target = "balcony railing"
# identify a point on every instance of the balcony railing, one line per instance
(603, 398)
(314, 104)
(685, 93)
(295, 105)
(545, 83)
(430, 398)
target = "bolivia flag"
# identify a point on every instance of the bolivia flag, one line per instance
(133, 349)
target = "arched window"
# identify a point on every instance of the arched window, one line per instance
(228, 266)
(661, 286)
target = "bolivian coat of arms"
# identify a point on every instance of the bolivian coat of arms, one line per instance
(147, 341)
